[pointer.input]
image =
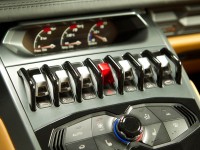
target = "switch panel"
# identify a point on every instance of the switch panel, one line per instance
(36, 87)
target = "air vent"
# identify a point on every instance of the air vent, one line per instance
(57, 140)
(188, 115)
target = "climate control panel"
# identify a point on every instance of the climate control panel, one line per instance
(146, 125)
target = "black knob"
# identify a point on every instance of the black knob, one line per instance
(129, 127)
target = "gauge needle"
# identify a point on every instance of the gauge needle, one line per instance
(104, 39)
(74, 43)
(51, 46)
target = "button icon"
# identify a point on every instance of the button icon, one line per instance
(100, 126)
(108, 143)
(147, 116)
(154, 132)
(175, 124)
(81, 147)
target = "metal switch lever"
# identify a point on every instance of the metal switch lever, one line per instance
(148, 72)
(176, 62)
(166, 70)
(59, 84)
(36, 88)
(40, 85)
(63, 81)
(85, 75)
(108, 79)
(128, 75)
(88, 91)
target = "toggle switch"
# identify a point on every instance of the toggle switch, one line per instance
(148, 72)
(107, 74)
(97, 74)
(176, 62)
(166, 70)
(40, 85)
(59, 82)
(108, 79)
(88, 91)
(36, 87)
(129, 84)
(83, 81)
(143, 70)
(161, 66)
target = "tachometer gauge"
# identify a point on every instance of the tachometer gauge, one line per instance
(100, 33)
(69, 39)
(42, 42)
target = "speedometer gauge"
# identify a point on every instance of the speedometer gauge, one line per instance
(69, 39)
(42, 42)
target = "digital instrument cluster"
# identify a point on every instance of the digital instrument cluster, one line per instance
(73, 34)
(70, 35)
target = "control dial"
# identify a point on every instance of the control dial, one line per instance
(128, 128)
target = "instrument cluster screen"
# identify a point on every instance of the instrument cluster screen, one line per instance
(78, 35)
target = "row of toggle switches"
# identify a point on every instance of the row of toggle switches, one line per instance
(91, 78)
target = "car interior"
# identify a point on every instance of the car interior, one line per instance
(99, 74)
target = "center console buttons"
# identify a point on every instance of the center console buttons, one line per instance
(102, 124)
(36, 87)
(165, 113)
(88, 91)
(82, 78)
(60, 84)
(144, 115)
(88, 144)
(155, 134)
(177, 63)
(107, 84)
(79, 131)
(175, 127)
(109, 142)
(148, 72)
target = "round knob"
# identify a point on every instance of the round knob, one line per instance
(129, 127)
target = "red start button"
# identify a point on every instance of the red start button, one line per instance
(106, 73)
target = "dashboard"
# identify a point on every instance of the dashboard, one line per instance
(101, 78)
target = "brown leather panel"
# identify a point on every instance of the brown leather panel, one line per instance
(5, 141)
(185, 43)
(192, 66)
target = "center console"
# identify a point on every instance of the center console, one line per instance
(103, 82)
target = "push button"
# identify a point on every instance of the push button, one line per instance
(102, 124)
(79, 131)
(155, 134)
(88, 144)
(108, 142)
(165, 113)
(145, 116)
(175, 128)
